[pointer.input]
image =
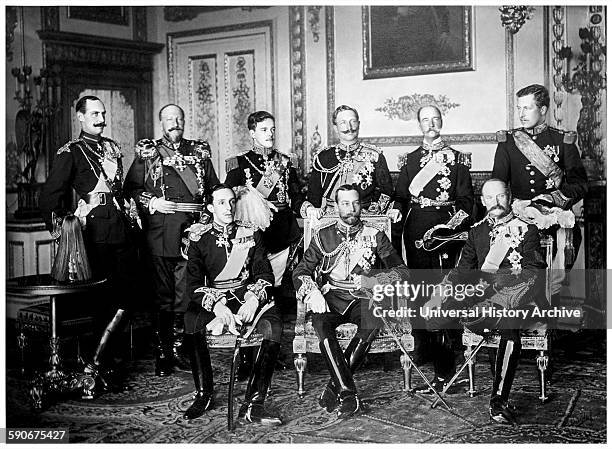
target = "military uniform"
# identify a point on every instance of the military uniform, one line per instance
(182, 173)
(433, 199)
(92, 166)
(514, 273)
(345, 256)
(361, 164)
(551, 166)
(526, 180)
(249, 168)
(210, 249)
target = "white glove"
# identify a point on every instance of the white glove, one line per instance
(161, 205)
(314, 213)
(317, 302)
(247, 311)
(395, 215)
(227, 317)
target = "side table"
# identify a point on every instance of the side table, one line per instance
(55, 380)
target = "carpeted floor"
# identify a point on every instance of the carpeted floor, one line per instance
(151, 411)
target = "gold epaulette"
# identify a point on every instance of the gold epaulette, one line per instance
(232, 161)
(202, 148)
(293, 158)
(502, 135)
(569, 137)
(371, 147)
(464, 158)
(66, 148)
(145, 148)
(197, 230)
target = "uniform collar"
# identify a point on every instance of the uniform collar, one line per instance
(225, 229)
(349, 148)
(436, 145)
(349, 229)
(494, 222)
(258, 149)
(171, 145)
(91, 138)
(539, 129)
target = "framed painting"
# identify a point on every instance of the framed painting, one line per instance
(415, 40)
(117, 15)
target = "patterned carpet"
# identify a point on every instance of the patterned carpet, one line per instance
(151, 411)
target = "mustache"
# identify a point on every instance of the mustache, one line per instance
(100, 125)
(497, 207)
(175, 128)
(350, 130)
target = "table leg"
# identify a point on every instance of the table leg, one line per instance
(55, 374)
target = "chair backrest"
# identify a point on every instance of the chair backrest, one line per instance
(547, 247)
(311, 227)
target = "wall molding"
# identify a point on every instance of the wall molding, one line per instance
(331, 80)
(76, 48)
(297, 31)
(509, 50)
(462, 139)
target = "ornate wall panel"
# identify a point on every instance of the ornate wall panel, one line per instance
(202, 104)
(222, 74)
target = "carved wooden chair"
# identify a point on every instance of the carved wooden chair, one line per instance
(306, 339)
(535, 337)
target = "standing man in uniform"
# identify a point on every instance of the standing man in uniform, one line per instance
(435, 191)
(228, 278)
(273, 174)
(168, 179)
(542, 164)
(92, 166)
(345, 252)
(349, 162)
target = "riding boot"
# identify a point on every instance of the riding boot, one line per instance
(259, 383)
(99, 366)
(355, 355)
(342, 377)
(164, 358)
(201, 369)
(443, 362)
(179, 359)
(246, 363)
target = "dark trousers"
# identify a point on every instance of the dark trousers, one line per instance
(270, 324)
(506, 362)
(325, 324)
(118, 263)
(170, 286)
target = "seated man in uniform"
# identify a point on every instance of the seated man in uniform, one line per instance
(504, 257)
(228, 276)
(345, 253)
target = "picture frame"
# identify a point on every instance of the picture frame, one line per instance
(415, 40)
(116, 15)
